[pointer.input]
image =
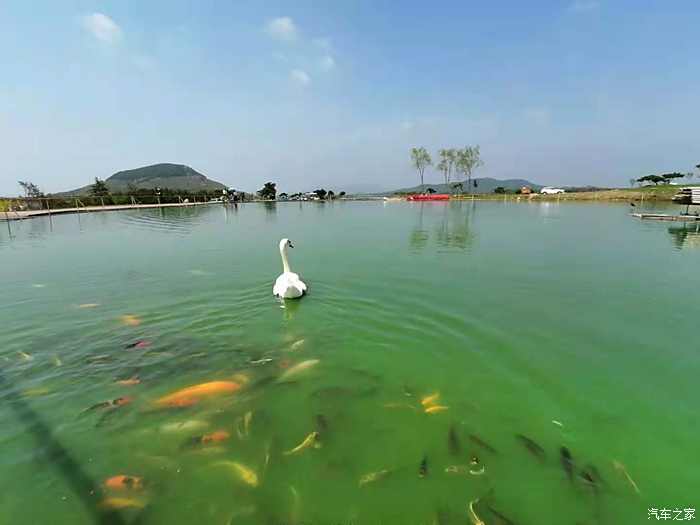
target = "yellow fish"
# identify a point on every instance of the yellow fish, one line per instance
(476, 520)
(296, 345)
(310, 441)
(622, 470)
(245, 474)
(121, 503)
(34, 392)
(298, 368)
(373, 476)
(435, 409)
(25, 356)
(430, 400)
(130, 320)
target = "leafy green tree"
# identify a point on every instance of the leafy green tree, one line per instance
(430, 190)
(30, 189)
(467, 161)
(283, 196)
(651, 178)
(268, 191)
(321, 193)
(668, 177)
(421, 160)
(341, 194)
(458, 186)
(331, 195)
(99, 189)
(499, 189)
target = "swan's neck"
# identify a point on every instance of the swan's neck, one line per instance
(285, 262)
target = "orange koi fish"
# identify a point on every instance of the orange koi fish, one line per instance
(122, 482)
(206, 439)
(193, 394)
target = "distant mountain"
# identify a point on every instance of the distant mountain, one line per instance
(484, 185)
(172, 176)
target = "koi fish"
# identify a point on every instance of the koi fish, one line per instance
(114, 403)
(478, 441)
(25, 356)
(57, 361)
(207, 439)
(101, 358)
(245, 474)
(89, 305)
(430, 400)
(192, 394)
(36, 392)
(321, 423)
(622, 470)
(567, 462)
(122, 482)
(141, 343)
(121, 503)
(129, 382)
(130, 320)
(423, 467)
(312, 440)
(184, 426)
(298, 368)
(453, 444)
(531, 446)
(435, 409)
(246, 419)
(472, 515)
(373, 476)
(296, 345)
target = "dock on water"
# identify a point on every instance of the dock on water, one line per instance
(16, 215)
(667, 217)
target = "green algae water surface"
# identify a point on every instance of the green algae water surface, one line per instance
(444, 356)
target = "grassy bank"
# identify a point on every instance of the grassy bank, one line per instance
(654, 193)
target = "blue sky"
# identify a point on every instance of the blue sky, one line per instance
(334, 94)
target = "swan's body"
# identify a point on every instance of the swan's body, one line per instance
(288, 285)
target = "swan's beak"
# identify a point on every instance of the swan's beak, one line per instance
(290, 244)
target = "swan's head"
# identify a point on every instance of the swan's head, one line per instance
(284, 243)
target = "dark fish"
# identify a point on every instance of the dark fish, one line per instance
(477, 440)
(453, 441)
(321, 423)
(141, 343)
(423, 469)
(531, 446)
(114, 403)
(591, 477)
(501, 519)
(567, 462)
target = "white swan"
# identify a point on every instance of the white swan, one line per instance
(288, 285)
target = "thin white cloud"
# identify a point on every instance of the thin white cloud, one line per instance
(299, 77)
(584, 5)
(102, 27)
(327, 63)
(282, 28)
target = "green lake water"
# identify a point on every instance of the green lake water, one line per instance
(571, 324)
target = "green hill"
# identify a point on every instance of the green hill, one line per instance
(171, 176)
(483, 185)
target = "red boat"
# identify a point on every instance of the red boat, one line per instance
(429, 197)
